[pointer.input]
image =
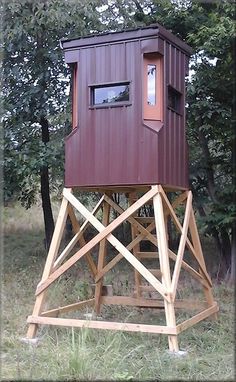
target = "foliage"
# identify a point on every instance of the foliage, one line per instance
(35, 86)
(210, 117)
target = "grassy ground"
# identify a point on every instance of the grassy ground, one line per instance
(74, 354)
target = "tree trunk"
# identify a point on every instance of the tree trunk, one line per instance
(232, 276)
(225, 252)
(45, 192)
(46, 204)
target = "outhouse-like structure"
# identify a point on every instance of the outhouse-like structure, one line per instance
(128, 109)
(128, 136)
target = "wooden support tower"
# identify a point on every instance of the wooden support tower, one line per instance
(161, 280)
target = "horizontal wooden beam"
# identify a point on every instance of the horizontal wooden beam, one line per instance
(68, 308)
(132, 301)
(104, 325)
(197, 318)
(147, 255)
(144, 219)
(152, 303)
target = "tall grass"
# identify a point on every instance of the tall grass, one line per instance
(86, 354)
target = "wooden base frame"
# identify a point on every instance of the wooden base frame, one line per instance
(162, 280)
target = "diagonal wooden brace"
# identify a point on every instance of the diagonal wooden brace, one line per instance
(180, 254)
(146, 233)
(76, 238)
(105, 232)
(119, 257)
(188, 243)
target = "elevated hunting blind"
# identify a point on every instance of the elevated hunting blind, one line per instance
(128, 137)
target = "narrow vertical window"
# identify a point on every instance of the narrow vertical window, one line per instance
(75, 97)
(152, 87)
(151, 90)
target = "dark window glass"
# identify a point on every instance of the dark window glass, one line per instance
(174, 99)
(110, 94)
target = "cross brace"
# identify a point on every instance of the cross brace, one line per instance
(162, 281)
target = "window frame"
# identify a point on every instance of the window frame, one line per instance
(75, 96)
(92, 88)
(179, 99)
(153, 112)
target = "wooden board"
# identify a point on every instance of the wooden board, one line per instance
(182, 243)
(52, 254)
(105, 325)
(188, 243)
(197, 318)
(152, 303)
(68, 308)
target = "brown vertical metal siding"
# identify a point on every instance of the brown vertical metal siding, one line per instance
(172, 142)
(112, 146)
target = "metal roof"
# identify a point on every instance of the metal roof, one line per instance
(126, 34)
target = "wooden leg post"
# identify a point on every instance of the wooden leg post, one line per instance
(136, 248)
(53, 251)
(82, 242)
(198, 248)
(101, 259)
(165, 267)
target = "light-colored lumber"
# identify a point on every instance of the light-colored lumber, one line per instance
(188, 268)
(67, 308)
(101, 258)
(144, 219)
(132, 301)
(165, 266)
(197, 246)
(147, 255)
(156, 272)
(152, 303)
(188, 243)
(173, 256)
(134, 222)
(119, 257)
(78, 235)
(166, 287)
(82, 242)
(53, 252)
(105, 325)
(136, 248)
(179, 199)
(147, 288)
(182, 243)
(197, 318)
(105, 232)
